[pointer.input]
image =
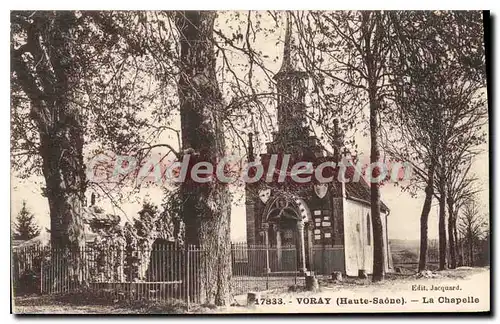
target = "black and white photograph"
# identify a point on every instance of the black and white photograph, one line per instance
(250, 162)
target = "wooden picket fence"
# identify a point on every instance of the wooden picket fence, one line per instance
(164, 272)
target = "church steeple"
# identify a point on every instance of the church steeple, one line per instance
(291, 92)
(287, 65)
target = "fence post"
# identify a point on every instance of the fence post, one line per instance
(296, 263)
(296, 268)
(267, 262)
(267, 280)
(187, 276)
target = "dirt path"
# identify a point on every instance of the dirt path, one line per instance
(470, 293)
(406, 293)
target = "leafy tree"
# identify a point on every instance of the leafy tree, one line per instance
(124, 69)
(211, 112)
(418, 120)
(207, 206)
(43, 71)
(473, 227)
(350, 49)
(460, 186)
(25, 226)
(462, 134)
(440, 107)
(464, 115)
(58, 103)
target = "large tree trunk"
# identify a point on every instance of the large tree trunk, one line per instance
(424, 219)
(51, 93)
(206, 206)
(50, 87)
(62, 147)
(378, 230)
(379, 252)
(65, 185)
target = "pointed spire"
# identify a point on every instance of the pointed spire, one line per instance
(291, 89)
(287, 64)
(290, 55)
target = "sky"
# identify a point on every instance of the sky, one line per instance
(404, 215)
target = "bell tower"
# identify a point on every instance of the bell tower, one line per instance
(291, 88)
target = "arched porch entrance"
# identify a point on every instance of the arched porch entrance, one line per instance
(287, 235)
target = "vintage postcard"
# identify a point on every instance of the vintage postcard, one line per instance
(249, 162)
